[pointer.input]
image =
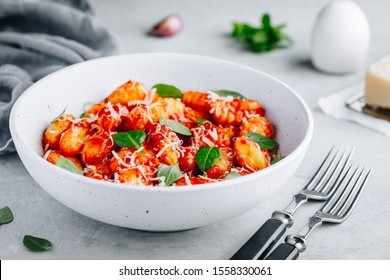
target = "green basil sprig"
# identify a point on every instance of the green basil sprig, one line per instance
(224, 92)
(207, 157)
(264, 38)
(277, 158)
(6, 215)
(36, 244)
(59, 116)
(164, 90)
(176, 126)
(171, 173)
(262, 141)
(201, 121)
(67, 164)
(130, 139)
(84, 115)
(232, 175)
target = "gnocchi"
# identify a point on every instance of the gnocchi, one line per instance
(142, 137)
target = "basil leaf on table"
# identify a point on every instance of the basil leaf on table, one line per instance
(224, 92)
(67, 164)
(6, 215)
(207, 157)
(171, 173)
(36, 244)
(130, 139)
(232, 175)
(264, 38)
(262, 141)
(176, 126)
(164, 90)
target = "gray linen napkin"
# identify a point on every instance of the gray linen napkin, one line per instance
(39, 37)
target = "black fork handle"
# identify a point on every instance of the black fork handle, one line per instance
(261, 241)
(284, 252)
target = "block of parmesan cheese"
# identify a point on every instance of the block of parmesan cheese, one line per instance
(377, 90)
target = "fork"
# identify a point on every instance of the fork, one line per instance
(320, 188)
(336, 210)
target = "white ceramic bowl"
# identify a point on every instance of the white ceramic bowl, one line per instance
(158, 208)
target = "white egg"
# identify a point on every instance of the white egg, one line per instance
(340, 38)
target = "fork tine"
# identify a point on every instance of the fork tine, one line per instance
(335, 177)
(346, 192)
(354, 186)
(341, 192)
(330, 169)
(348, 207)
(316, 174)
(343, 201)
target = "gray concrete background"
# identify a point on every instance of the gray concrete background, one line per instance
(207, 25)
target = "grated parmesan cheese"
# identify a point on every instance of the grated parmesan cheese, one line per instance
(137, 103)
(116, 178)
(142, 170)
(149, 97)
(214, 133)
(172, 144)
(121, 161)
(149, 114)
(89, 168)
(161, 179)
(207, 178)
(214, 97)
(46, 154)
(114, 113)
(207, 141)
(187, 179)
(92, 118)
(97, 127)
(249, 115)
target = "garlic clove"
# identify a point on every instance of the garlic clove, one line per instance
(169, 26)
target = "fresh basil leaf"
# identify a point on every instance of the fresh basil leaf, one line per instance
(264, 38)
(277, 158)
(67, 164)
(262, 141)
(6, 215)
(176, 126)
(224, 92)
(171, 173)
(207, 157)
(232, 175)
(59, 116)
(266, 20)
(130, 139)
(36, 244)
(164, 90)
(84, 115)
(201, 121)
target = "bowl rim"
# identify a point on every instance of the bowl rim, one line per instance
(165, 189)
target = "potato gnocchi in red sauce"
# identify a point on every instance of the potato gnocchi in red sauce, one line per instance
(162, 137)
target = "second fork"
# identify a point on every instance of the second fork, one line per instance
(336, 210)
(320, 187)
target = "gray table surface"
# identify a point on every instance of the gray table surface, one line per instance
(365, 235)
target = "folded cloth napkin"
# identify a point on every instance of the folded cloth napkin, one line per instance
(39, 37)
(335, 105)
